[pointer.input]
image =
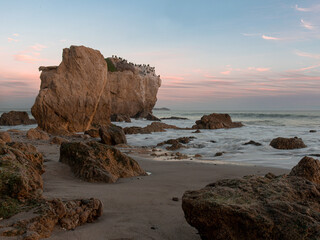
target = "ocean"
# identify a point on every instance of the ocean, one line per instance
(260, 126)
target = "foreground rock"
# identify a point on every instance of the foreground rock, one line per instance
(133, 88)
(13, 118)
(37, 134)
(153, 127)
(40, 224)
(5, 137)
(287, 143)
(112, 135)
(96, 162)
(216, 121)
(70, 97)
(271, 207)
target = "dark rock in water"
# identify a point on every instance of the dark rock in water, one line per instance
(97, 162)
(314, 155)
(120, 118)
(175, 199)
(287, 143)
(251, 142)
(256, 208)
(176, 143)
(175, 146)
(161, 109)
(198, 156)
(174, 118)
(313, 131)
(112, 135)
(216, 121)
(13, 118)
(213, 141)
(151, 117)
(197, 131)
(153, 127)
(218, 154)
(92, 133)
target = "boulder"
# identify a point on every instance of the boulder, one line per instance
(253, 207)
(151, 117)
(21, 169)
(66, 214)
(112, 135)
(96, 162)
(74, 95)
(13, 118)
(58, 140)
(176, 143)
(287, 143)
(5, 137)
(92, 132)
(153, 127)
(120, 118)
(216, 121)
(133, 88)
(37, 134)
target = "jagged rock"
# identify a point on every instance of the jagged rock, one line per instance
(96, 162)
(133, 88)
(153, 127)
(251, 142)
(67, 214)
(70, 97)
(216, 121)
(58, 140)
(37, 134)
(253, 207)
(13, 118)
(112, 135)
(5, 137)
(93, 133)
(120, 118)
(287, 143)
(21, 169)
(151, 117)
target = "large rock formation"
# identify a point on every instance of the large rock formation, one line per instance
(97, 162)
(133, 88)
(271, 207)
(13, 118)
(74, 95)
(216, 121)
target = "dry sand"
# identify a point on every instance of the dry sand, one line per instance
(138, 207)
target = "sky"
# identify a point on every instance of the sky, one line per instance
(213, 55)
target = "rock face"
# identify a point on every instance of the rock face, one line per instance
(112, 135)
(48, 214)
(287, 143)
(133, 88)
(216, 121)
(96, 162)
(74, 95)
(37, 134)
(13, 118)
(271, 207)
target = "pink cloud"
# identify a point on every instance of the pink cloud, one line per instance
(38, 47)
(225, 72)
(15, 34)
(12, 40)
(172, 77)
(302, 9)
(270, 38)
(306, 25)
(259, 69)
(26, 58)
(315, 8)
(306, 54)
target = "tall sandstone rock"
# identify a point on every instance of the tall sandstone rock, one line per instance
(74, 95)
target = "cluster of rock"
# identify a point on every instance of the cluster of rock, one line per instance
(21, 187)
(153, 127)
(97, 162)
(176, 143)
(253, 207)
(14, 118)
(81, 92)
(216, 121)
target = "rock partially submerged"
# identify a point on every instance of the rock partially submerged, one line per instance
(251, 142)
(112, 135)
(14, 118)
(97, 162)
(174, 118)
(253, 207)
(70, 97)
(287, 143)
(153, 127)
(216, 121)
(176, 143)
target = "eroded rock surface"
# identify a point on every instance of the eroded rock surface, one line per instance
(253, 207)
(13, 118)
(216, 121)
(37, 134)
(97, 162)
(75, 94)
(5, 137)
(287, 143)
(112, 135)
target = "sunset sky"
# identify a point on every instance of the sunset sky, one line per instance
(219, 55)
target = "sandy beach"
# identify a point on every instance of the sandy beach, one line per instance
(138, 207)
